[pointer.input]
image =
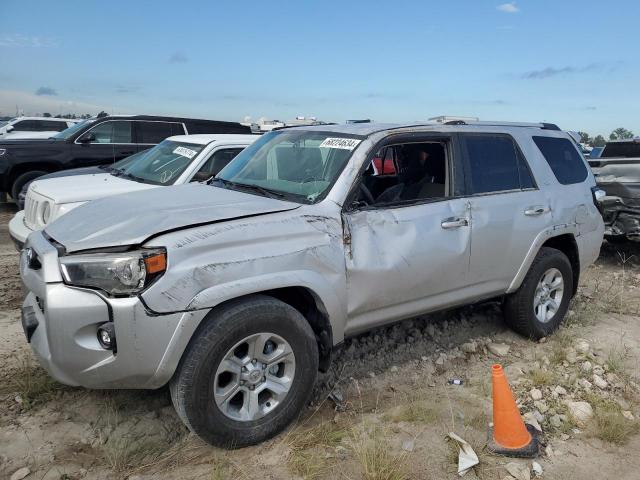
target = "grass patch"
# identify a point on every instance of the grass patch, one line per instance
(220, 470)
(558, 354)
(541, 378)
(616, 358)
(608, 423)
(307, 464)
(325, 435)
(34, 385)
(125, 453)
(415, 412)
(376, 459)
(305, 460)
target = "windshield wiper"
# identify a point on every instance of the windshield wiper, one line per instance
(116, 172)
(267, 192)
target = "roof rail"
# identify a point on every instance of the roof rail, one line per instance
(543, 126)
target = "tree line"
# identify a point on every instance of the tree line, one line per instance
(599, 141)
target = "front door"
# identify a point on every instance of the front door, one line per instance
(105, 143)
(408, 237)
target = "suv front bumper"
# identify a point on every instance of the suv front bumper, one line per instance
(18, 230)
(62, 323)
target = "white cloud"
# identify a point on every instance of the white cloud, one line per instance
(20, 40)
(509, 7)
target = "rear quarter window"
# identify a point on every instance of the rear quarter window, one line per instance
(563, 158)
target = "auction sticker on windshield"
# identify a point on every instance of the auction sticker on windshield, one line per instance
(185, 152)
(342, 143)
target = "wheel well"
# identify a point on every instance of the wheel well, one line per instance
(567, 244)
(312, 308)
(29, 167)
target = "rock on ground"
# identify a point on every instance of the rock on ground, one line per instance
(499, 349)
(581, 412)
(20, 474)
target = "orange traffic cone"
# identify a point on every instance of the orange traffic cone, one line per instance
(509, 435)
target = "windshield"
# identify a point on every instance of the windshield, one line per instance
(69, 132)
(302, 164)
(160, 165)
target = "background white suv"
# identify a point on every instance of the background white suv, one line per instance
(176, 160)
(34, 127)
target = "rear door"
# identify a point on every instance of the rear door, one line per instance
(508, 210)
(149, 133)
(104, 143)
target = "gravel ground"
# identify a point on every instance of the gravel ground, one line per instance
(396, 403)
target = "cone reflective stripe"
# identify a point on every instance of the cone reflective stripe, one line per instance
(510, 435)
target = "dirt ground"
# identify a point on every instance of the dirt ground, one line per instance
(391, 409)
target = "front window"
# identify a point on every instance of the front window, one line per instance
(73, 129)
(160, 165)
(300, 164)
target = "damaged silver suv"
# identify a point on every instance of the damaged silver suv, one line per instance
(236, 291)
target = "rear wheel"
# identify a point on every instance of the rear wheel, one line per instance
(22, 182)
(248, 373)
(538, 307)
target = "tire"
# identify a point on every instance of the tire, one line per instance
(22, 181)
(518, 308)
(198, 375)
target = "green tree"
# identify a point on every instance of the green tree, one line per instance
(620, 134)
(599, 141)
(584, 137)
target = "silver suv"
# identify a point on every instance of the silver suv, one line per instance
(236, 291)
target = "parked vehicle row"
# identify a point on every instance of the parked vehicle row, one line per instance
(235, 290)
(34, 127)
(174, 161)
(617, 171)
(96, 141)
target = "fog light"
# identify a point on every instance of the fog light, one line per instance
(107, 336)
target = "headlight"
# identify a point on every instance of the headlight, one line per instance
(46, 213)
(116, 273)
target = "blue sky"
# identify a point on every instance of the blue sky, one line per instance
(574, 63)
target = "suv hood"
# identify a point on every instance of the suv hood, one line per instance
(132, 218)
(82, 188)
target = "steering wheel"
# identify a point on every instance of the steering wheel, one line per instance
(367, 194)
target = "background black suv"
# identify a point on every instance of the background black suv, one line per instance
(95, 141)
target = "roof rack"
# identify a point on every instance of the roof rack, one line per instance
(543, 126)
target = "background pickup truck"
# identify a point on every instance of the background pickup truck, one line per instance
(617, 172)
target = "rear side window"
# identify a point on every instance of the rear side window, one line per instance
(563, 158)
(495, 164)
(53, 125)
(219, 160)
(155, 132)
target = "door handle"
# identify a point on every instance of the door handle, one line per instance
(535, 210)
(454, 222)
(127, 153)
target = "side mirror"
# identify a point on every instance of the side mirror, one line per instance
(201, 176)
(8, 128)
(90, 137)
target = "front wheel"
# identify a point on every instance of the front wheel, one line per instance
(538, 307)
(247, 374)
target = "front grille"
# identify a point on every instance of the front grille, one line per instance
(31, 211)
